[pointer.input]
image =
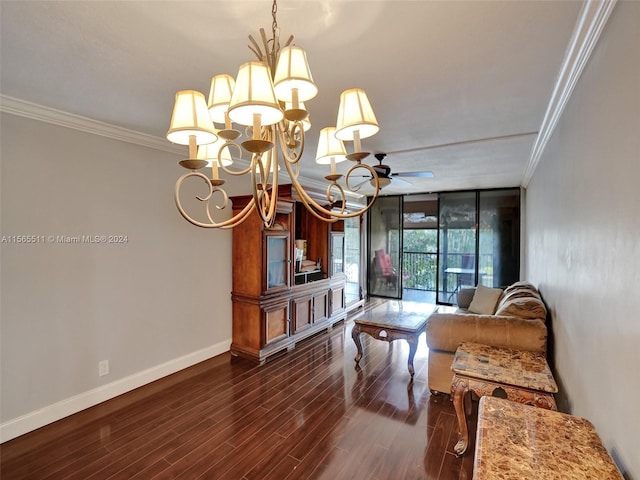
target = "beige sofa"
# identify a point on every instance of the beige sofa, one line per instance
(517, 321)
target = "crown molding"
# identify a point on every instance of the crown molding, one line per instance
(591, 22)
(22, 108)
(34, 111)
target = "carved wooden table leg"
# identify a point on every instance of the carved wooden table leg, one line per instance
(459, 388)
(413, 346)
(355, 334)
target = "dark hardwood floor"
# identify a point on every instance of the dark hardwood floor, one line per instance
(309, 413)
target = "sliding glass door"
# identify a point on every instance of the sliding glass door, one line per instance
(457, 244)
(499, 237)
(385, 247)
(479, 240)
(353, 247)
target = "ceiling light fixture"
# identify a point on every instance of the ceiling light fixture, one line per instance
(267, 98)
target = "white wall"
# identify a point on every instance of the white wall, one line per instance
(583, 239)
(154, 304)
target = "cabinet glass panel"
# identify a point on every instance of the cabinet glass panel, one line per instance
(277, 261)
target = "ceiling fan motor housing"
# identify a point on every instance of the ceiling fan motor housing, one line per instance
(382, 170)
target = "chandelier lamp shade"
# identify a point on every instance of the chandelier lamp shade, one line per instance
(356, 119)
(293, 81)
(254, 95)
(267, 98)
(219, 96)
(330, 151)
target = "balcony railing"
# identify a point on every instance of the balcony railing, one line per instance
(420, 269)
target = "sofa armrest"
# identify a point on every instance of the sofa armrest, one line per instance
(445, 331)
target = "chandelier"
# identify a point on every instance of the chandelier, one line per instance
(267, 98)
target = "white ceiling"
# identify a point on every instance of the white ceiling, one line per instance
(459, 88)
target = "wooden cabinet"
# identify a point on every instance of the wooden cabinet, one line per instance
(310, 306)
(274, 306)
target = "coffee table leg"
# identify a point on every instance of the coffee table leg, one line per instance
(458, 391)
(355, 334)
(413, 346)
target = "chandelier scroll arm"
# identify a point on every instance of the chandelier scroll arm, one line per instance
(265, 195)
(316, 209)
(230, 144)
(290, 146)
(230, 223)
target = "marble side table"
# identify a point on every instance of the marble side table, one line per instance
(517, 441)
(517, 375)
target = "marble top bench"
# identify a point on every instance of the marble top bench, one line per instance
(516, 441)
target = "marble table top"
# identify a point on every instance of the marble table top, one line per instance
(403, 315)
(511, 367)
(516, 441)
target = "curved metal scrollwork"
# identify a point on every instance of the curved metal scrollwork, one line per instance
(284, 142)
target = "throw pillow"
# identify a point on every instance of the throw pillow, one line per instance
(465, 295)
(485, 300)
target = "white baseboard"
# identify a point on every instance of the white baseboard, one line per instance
(39, 418)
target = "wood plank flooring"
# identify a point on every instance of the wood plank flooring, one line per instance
(307, 414)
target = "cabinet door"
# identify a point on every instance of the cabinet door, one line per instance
(276, 323)
(302, 313)
(321, 306)
(337, 300)
(277, 260)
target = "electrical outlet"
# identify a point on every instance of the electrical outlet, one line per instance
(103, 368)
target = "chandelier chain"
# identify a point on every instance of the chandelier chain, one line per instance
(274, 25)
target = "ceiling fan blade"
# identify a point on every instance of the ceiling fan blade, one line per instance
(397, 181)
(424, 174)
(357, 186)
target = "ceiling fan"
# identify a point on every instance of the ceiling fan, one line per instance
(386, 176)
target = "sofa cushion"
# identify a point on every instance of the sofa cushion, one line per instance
(530, 307)
(521, 285)
(465, 295)
(485, 300)
(520, 292)
(517, 293)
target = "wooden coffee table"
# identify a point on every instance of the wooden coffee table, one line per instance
(517, 375)
(394, 320)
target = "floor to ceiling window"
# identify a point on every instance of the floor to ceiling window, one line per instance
(499, 237)
(352, 248)
(457, 227)
(479, 234)
(427, 247)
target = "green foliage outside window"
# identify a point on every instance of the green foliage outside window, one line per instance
(419, 259)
